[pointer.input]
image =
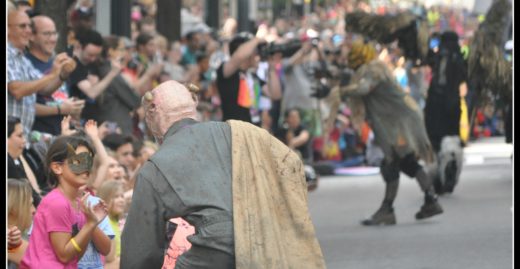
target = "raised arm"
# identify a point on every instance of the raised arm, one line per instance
(93, 89)
(274, 88)
(67, 65)
(44, 84)
(91, 130)
(298, 57)
(240, 55)
(68, 106)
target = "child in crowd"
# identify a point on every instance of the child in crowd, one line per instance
(115, 171)
(20, 210)
(98, 174)
(93, 259)
(64, 223)
(112, 192)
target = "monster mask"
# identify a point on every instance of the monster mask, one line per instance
(168, 103)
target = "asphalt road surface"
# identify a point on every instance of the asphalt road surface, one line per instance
(475, 231)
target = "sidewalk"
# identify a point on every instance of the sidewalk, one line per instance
(491, 147)
(488, 150)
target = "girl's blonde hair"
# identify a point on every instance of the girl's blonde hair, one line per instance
(19, 203)
(108, 190)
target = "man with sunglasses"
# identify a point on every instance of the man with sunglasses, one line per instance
(23, 80)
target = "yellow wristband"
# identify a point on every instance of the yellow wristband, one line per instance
(76, 246)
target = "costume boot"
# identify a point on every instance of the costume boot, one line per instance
(385, 214)
(430, 207)
(450, 174)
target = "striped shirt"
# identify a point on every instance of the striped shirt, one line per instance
(20, 68)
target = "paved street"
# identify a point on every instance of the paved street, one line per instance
(474, 232)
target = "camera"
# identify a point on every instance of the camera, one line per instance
(321, 88)
(287, 49)
(334, 51)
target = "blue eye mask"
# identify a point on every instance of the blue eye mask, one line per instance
(79, 163)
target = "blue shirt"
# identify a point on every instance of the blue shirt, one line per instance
(92, 258)
(44, 67)
(48, 124)
(188, 57)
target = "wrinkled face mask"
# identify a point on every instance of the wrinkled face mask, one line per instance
(151, 121)
(79, 163)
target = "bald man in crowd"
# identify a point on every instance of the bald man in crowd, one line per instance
(241, 188)
(50, 109)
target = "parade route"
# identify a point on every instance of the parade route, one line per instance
(475, 230)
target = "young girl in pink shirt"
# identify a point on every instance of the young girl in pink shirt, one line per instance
(64, 223)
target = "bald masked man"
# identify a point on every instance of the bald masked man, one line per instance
(242, 190)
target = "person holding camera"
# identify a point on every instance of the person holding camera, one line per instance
(300, 72)
(239, 88)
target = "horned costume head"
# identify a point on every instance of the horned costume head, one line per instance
(168, 103)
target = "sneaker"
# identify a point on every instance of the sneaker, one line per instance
(383, 216)
(429, 209)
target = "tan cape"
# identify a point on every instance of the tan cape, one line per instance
(272, 224)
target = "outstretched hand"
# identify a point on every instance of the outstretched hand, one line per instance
(65, 126)
(262, 32)
(91, 129)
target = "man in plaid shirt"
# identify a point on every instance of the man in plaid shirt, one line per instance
(23, 80)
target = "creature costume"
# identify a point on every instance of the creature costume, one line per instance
(410, 30)
(397, 123)
(489, 73)
(194, 176)
(442, 111)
